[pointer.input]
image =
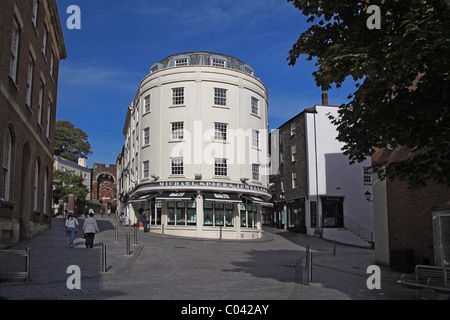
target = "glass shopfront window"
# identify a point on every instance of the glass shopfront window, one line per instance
(155, 213)
(181, 213)
(248, 215)
(218, 214)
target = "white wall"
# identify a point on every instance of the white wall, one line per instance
(329, 171)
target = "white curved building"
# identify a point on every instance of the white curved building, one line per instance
(196, 148)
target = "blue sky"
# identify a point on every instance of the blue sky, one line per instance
(119, 41)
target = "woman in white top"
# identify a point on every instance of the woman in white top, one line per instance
(71, 226)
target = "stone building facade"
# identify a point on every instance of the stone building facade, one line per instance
(31, 46)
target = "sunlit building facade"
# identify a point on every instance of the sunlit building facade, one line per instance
(195, 158)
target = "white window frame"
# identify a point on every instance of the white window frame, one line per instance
(146, 105)
(220, 131)
(177, 166)
(177, 131)
(181, 62)
(146, 136)
(145, 169)
(255, 172)
(220, 97)
(255, 106)
(218, 62)
(367, 176)
(255, 138)
(178, 96)
(220, 167)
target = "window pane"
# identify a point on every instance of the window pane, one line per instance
(220, 97)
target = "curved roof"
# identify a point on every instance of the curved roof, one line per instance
(202, 58)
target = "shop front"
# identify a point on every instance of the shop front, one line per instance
(203, 213)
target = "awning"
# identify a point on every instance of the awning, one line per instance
(221, 197)
(144, 197)
(176, 196)
(259, 201)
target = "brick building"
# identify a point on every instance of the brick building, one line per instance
(31, 46)
(407, 222)
(104, 184)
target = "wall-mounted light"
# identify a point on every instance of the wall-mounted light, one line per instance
(198, 176)
(368, 196)
(154, 177)
(244, 180)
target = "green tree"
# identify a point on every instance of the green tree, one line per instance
(71, 143)
(401, 73)
(65, 183)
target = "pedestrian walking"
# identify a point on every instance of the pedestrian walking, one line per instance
(72, 228)
(90, 228)
(102, 211)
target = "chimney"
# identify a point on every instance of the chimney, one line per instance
(82, 162)
(324, 99)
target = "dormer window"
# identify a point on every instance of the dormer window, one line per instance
(181, 62)
(218, 62)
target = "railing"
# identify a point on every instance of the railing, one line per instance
(17, 274)
(358, 229)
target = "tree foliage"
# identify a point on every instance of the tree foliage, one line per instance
(71, 143)
(401, 75)
(65, 183)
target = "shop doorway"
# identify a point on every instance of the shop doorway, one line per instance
(332, 212)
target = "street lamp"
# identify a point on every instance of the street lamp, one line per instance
(368, 196)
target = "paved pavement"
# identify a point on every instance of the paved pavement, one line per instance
(167, 268)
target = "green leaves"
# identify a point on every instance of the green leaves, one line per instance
(402, 73)
(71, 143)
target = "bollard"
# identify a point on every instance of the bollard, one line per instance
(135, 236)
(307, 256)
(310, 262)
(116, 238)
(28, 265)
(334, 247)
(220, 235)
(127, 253)
(103, 258)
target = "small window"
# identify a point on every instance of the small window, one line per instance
(220, 97)
(178, 96)
(220, 131)
(146, 136)
(177, 131)
(255, 172)
(30, 81)
(181, 62)
(294, 153)
(147, 104)
(176, 166)
(293, 129)
(255, 138)
(221, 167)
(294, 180)
(218, 62)
(145, 169)
(255, 106)
(367, 176)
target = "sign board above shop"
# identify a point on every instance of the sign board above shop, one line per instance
(208, 186)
